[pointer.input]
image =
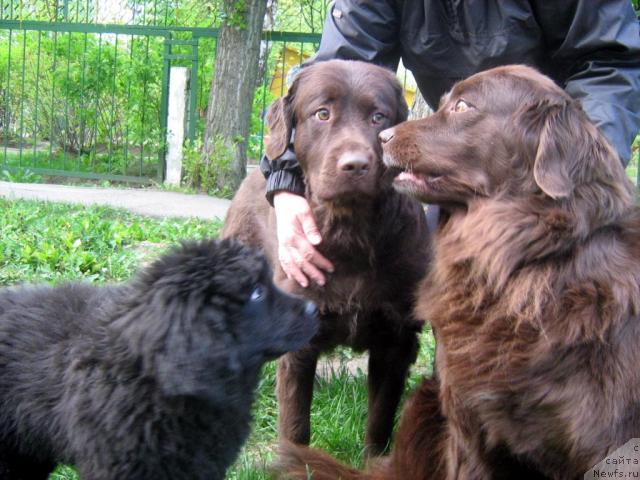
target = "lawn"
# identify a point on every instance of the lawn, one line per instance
(52, 243)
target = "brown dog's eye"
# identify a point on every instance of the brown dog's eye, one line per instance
(461, 106)
(378, 118)
(323, 114)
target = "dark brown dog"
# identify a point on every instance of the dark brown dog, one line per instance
(534, 291)
(375, 237)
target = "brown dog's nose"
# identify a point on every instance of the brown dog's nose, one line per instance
(386, 135)
(354, 164)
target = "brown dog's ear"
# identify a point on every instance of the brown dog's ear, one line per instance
(280, 123)
(559, 143)
(550, 169)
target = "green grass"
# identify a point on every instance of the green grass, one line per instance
(50, 242)
(55, 242)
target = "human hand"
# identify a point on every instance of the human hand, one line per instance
(297, 234)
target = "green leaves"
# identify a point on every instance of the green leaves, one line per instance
(233, 13)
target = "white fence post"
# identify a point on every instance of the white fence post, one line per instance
(176, 123)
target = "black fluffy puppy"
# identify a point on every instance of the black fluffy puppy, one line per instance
(149, 380)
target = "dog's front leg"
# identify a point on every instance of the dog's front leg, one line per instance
(294, 389)
(388, 369)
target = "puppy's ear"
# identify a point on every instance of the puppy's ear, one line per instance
(180, 342)
(280, 123)
(558, 129)
(196, 360)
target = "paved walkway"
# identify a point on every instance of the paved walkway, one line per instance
(156, 203)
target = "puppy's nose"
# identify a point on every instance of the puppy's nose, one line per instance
(354, 164)
(386, 135)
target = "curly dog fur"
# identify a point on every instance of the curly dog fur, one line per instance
(149, 380)
(534, 291)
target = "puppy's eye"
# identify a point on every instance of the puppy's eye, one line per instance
(378, 118)
(461, 106)
(323, 114)
(258, 294)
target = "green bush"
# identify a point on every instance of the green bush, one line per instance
(208, 177)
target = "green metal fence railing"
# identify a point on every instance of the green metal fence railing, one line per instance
(84, 83)
(81, 99)
(90, 100)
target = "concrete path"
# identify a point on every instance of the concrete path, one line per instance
(156, 203)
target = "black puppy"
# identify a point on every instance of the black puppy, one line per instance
(148, 380)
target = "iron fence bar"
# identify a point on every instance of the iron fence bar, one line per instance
(201, 86)
(6, 94)
(53, 95)
(83, 27)
(113, 102)
(283, 59)
(82, 87)
(24, 62)
(155, 11)
(264, 99)
(96, 117)
(127, 105)
(181, 56)
(193, 91)
(164, 104)
(154, 30)
(178, 41)
(166, 13)
(35, 124)
(144, 109)
(65, 145)
(292, 37)
(65, 9)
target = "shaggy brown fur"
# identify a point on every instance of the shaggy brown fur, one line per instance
(534, 291)
(375, 237)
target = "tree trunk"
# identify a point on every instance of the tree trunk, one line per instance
(232, 88)
(420, 108)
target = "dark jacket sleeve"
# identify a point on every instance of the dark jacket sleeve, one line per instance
(599, 46)
(353, 30)
(282, 174)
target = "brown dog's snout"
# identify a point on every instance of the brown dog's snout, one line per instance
(386, 135)
(354, 164)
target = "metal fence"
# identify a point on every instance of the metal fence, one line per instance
(84, 83)
(86, 99)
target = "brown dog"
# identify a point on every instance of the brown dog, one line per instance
(534, 291)
(374, 236)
